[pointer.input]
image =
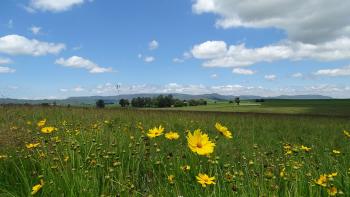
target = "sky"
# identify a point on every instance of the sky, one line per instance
(57, 49)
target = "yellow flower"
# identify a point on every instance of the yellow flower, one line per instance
(346, 133)
(223, 130)
(172, 135)
(66, 158)
(185, 168)
(205, 179)
(152, 133)
(171, 179)
(48, 129)
(200, 143)
(332, 191)
(336, 151)
(305, 148)
(37, 187)
(322, 181)
(41, 123)
(334, 174)
(283, 172)
(30, 146)
(3, 157)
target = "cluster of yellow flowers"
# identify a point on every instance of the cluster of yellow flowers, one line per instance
(198, 142)
(324, 180)
(290, 149)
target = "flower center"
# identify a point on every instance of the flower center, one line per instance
(199, 145)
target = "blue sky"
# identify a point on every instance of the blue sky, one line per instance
(52, 49)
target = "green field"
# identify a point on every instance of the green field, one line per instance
(106, 152)
(333, 107)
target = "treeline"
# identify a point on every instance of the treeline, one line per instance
(160, 102)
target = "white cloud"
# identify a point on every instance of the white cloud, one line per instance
(52, 5)
(185, 56)
(344, 71)
(309, 22)
(64, 90)
(243, 71)
(297, 75)
(214, 76)
(153, 45)
(219, 54)
(78, 89)
(178, 60)
(19, 45)
(79, 62)
(270, 77)
(148, 59)
(35, 30)
(6, 70)
(5, 61)
(210, 50)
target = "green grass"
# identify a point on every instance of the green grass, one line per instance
(109, 155)
(313, 107)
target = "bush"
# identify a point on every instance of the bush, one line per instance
(124, 102)
(100, 103)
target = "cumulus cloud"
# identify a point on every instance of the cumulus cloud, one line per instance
(219, 54)
(214, 76)
(153, 45)
(309, 22)
(149, 59)
(185, 56)
(297, 75)
(5, 61)
(344, 71)
(20, 45)
(242, 71)
(6, 70)
(35, 30)
(79, 62)
(52, 5)
(270, 77)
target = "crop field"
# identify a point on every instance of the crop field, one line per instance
(59, 151)
(332, 107)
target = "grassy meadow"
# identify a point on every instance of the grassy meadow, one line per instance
(331, 107)
(58, 151)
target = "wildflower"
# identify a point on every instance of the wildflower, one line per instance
(305, 148)
(205, 180)
(48, 129)
(172, 135)
(283, 172)
(336, 152)
(346, 133)
(37, 187)
(332, 191)
(29, 122)
(3, 157)
(200, 143)
(171, 179)
(185, 168)
(30, 146)
(322, 180)
(41, 123)
(152, 133)
(56, 139)
(66, 158)
(223, 130)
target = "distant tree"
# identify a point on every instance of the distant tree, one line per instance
(100, 103)
(230, 101)
(237, 100)
(45, 104)
(124, 102)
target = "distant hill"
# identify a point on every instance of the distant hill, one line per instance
(89, 100)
